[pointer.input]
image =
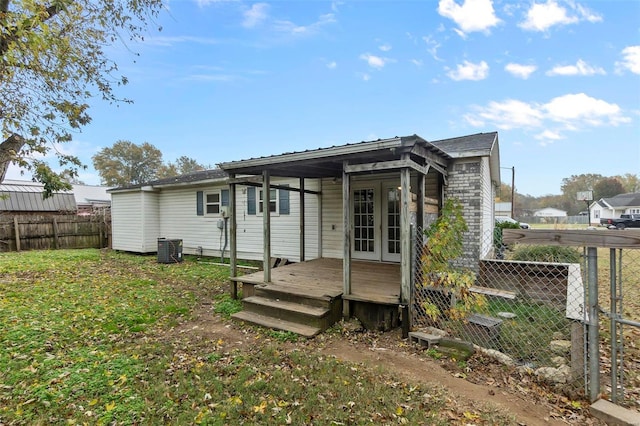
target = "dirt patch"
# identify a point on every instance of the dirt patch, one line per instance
(482, 382)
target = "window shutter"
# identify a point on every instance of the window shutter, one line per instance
(251, 200)
(283, 196)
(224, 197)
(200, 203)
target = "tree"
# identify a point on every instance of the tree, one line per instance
(126, 163)
(52, 61)
(607, 187)
(630, 182)
(574, 184)
(182, 166)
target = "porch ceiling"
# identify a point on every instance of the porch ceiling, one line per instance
(328, 162)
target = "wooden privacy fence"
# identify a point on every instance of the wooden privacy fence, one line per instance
(43, 232)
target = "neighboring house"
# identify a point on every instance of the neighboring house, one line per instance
(613, 207)
(25, 197)
(503, 209)
(550, 212)
(91, 197)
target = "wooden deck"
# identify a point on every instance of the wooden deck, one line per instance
(373, 282)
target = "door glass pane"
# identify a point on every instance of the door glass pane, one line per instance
(393, 220)
(363, 220)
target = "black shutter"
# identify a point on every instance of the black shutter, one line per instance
(251, 200)
(283, 196)
(200, 203)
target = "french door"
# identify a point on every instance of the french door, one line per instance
(376, 222)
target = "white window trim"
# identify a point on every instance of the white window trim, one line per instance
(207, 204)
(259, 202)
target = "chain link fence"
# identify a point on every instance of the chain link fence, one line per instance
(527, 305)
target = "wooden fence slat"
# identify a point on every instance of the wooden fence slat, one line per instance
(17, 232)
(34, 232)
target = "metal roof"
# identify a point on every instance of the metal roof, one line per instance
(29, 200)
(327, 162)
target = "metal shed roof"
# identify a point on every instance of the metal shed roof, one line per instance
(31, 200)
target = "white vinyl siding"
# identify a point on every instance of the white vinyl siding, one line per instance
(141, 217)
(134, 218)
(332, 219)
(285, 228)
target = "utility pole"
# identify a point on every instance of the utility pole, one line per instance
(513, 192)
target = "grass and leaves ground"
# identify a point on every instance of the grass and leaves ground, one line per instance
(99, 337)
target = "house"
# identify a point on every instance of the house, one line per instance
(503, 209)
(25, 197)
(613, 207)
(550, 212)
(90, 198)
(291, 206)
(361, 196)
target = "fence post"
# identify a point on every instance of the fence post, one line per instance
(594, 332)
(55, 233)
(17, 232)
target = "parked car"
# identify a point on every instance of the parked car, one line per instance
(501, 219)
(624, 221)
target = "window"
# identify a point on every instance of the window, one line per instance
(211, 203)
(278, 201)
(273, 201)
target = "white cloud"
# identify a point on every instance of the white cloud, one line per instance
(204, 3)
(580, 68)
(567, 113)
(171, 41)
(507, 115)
(365, 77)
(472, 15)
(292, 28)
(631, 60)
(258, 13)
(470, 71)
(416, 62)
(542, 16)
(577, 110)
(432, 47)
(385, 47)
(332, 65)
(547, 137)
(520, 70)
(375, 61)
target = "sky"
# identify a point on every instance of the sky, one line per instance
(230, 80)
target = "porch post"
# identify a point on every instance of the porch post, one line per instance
(266, 225)
(346, 254)
(405, 237)
(420, 197)
(233, 252)
(302, 220)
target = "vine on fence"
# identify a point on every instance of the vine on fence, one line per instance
(445, 244)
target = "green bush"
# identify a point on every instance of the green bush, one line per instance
(556, 254)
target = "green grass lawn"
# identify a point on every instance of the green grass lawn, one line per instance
(85, 338)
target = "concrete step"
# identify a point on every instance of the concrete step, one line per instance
(278, 324)
(613, 414)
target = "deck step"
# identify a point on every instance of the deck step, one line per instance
(278, 324)
(287, 307)
(297, 295)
